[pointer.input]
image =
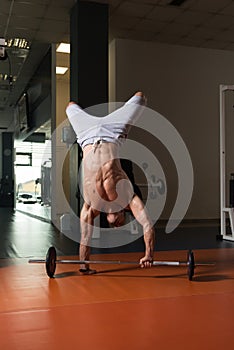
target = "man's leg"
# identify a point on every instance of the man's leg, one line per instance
(140, 100)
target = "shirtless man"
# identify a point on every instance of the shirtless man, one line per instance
(106, 186)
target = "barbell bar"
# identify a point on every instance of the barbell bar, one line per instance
(51, 261)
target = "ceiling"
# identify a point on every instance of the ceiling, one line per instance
(198, 23)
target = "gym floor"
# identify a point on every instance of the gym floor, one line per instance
(121, 307)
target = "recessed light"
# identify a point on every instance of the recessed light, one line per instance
(61, 70)
(63, 47)
(20, 43)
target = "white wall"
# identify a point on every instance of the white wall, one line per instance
(182, 84)
(60, 169)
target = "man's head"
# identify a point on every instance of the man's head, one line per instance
(116, 219)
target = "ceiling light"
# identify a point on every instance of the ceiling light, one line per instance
(61, 70)
(65, 48)
(5, 77)
(20, 43)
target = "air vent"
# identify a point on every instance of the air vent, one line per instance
(177, 2)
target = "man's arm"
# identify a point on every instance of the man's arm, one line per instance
(140, 213)
(87, 216)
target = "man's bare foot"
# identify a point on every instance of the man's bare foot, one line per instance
(141, 94)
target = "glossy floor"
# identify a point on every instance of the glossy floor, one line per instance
(119, 307)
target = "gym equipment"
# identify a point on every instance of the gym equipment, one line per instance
(191, 265)
(231, 191)
(225, 211)
(51, 261)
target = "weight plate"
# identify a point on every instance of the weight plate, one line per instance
(51, 257)
(191, 265)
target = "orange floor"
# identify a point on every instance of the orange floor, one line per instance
(119, 308)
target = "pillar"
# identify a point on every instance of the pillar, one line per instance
(7, 180)
(88, 67)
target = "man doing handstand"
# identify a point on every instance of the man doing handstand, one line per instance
(106, 186)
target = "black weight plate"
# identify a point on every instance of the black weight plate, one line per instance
(51, 257)
(191, 265)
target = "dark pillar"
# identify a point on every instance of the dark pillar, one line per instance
(89, 53)
(7, 181)
(88, 67)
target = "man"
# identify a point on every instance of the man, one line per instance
(106, 187)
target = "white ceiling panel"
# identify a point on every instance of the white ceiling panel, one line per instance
(220, 22)
(59, 13)
(21, 21)
(110, 2)
(125, 22)
(130, 8)
(168, 39)
(214, 44)
(150, 25)
(193, 17)
(63, 3)
(190, 41)
(5, 6)
(119, 33)
(54, 37)
(179, 29)
(151, 2)
(230, 47)
(21, 32)
(228, 10)
(32, 2)
(210, 5)
(226, 35)
(203, 33)
(141, 35)
(54, 26)
(27, 9)
(3, 19)
(2, 28)
(164, 14)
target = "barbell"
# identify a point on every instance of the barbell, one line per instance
(51, 261)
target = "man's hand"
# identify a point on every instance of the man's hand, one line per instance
(146, 261)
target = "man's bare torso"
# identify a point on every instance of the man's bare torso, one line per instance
(106, 186)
